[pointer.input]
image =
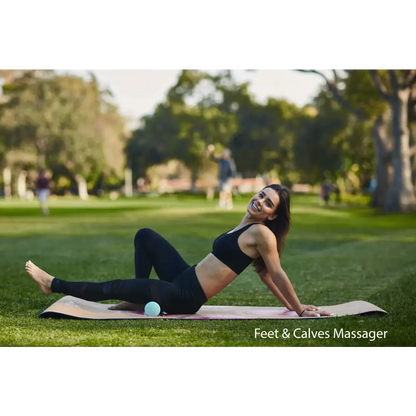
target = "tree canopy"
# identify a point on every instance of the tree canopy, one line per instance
(359, 126)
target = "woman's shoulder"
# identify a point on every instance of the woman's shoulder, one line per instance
(263, 239)
(262, 232)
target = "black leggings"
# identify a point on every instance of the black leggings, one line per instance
(177, 291)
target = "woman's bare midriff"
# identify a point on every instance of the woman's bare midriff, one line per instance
(213, 275)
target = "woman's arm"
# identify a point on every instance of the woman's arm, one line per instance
(267, 280)
(283, 283)
(266, 245)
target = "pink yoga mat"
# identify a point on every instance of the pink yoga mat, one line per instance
(74, 308)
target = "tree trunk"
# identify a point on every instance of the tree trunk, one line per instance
(82, 187)
(383, 168)
(401, 195)
(194, 177)
(21, 184)
(413, 157)
(128, 183)
(7, 179)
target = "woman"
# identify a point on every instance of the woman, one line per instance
(258, 239)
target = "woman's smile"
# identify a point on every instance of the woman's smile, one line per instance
(256, 206)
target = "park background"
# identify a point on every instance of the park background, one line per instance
(355, 137)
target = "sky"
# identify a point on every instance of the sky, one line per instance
(137, 92)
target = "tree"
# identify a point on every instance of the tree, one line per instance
(66, 119)
(182, 126)
(356, 93)
(401, 195)
(152, 142)
(9, 75)
(323, 133)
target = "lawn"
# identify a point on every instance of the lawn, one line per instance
(333, 255)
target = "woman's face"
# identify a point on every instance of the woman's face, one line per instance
(264, 205)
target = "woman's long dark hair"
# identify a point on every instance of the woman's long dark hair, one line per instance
(280, 225)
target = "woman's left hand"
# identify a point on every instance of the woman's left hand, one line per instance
(310, 308)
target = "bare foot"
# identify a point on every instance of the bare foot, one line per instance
(127, 306)
(42, 278)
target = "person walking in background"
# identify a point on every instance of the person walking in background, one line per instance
(43, 191)
(227, 171)
(325, 190)
(337, 193)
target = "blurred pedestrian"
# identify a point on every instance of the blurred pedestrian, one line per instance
(43, 190)
(337, 193)
(325, 190)
(227, 171)
(372, 187)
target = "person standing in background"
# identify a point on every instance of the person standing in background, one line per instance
(227, 171)
(325, 190)
(42, 186)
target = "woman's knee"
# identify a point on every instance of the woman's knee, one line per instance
(144, 234)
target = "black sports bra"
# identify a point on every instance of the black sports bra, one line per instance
(226, 249)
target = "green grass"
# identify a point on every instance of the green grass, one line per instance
(333, 255)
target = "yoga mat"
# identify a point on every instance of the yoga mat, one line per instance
(74, 308)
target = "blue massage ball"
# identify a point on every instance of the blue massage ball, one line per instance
(152, 309)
